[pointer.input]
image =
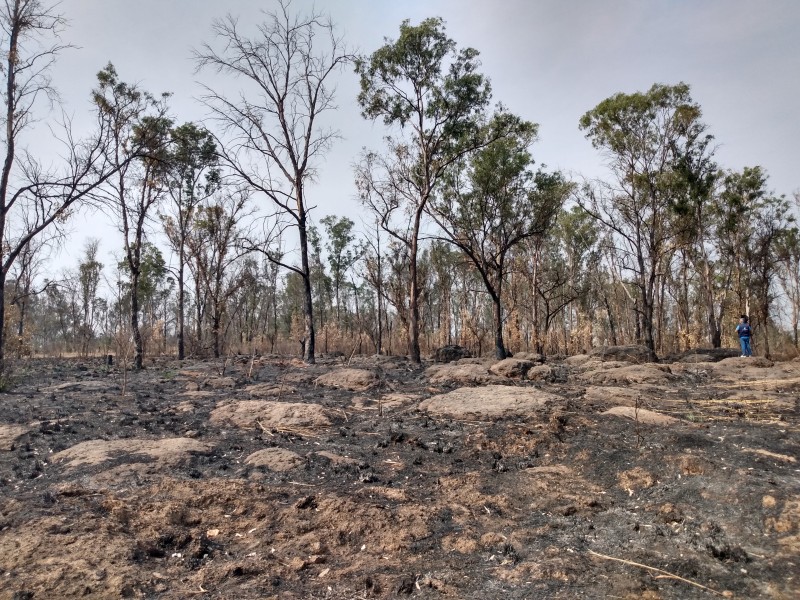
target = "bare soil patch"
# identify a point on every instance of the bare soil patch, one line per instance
(261, 481)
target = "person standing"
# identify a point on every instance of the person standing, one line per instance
(744, 331)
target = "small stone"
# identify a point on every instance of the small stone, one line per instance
(297, 564)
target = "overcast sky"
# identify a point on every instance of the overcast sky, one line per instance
(549, 61)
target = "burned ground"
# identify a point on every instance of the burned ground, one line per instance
(380, 479)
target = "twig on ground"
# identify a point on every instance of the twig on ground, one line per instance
(665, 574)
(264, 429)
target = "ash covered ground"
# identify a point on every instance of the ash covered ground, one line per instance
(584, 477)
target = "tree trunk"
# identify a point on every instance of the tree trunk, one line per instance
(181, 308)
(647, 318)
(215, 321)
(499, 346)
(22, 314)
(413, 300)
(137, 335)
(765, 335)
(308, 300)
(2, 320)
(537, 342)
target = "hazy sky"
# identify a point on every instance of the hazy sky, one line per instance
(549, 61)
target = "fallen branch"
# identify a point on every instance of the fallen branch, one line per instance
(664, 574)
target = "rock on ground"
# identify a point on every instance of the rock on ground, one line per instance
(491, 401)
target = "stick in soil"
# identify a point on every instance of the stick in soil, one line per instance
(662, 573)
(355, 346)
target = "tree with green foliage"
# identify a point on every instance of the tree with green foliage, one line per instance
(192, 177)
(493, 201)
(215, 243)
(276, 134)
(644, 136)
(138, 153)
(433, 95)
(89, 273)
(343, 253)
(756, 226)
(788, 255)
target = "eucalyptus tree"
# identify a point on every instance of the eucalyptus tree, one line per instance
(577, 235)
(432, 96)
(696, 220)
(493, 201)
(89, 274)
(373, 273)
(788, 254)
(643, 136)
(153, 286)
(193, 176)
(756, 226)
(275, 131)
(343, 252)
(215, 243)
(139, 131)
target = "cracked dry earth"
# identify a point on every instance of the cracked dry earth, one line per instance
(379, 479)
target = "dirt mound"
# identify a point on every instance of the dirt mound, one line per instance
(275, 459)
(491, 401)
(630, 354)
(265, 414)
(703, 355)
(511, 367)
(447, 354)
(88, 385)
(166, 451)
(577, 360)
(641, 415)
(653, 374)
(615, 395)
(461, 373)
(386, 402)
(534, 357)
(539, 373)
(356, 380)
(269, 390)
(9, 433)
(753, 362)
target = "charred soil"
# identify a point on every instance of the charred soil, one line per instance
(267, 478)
